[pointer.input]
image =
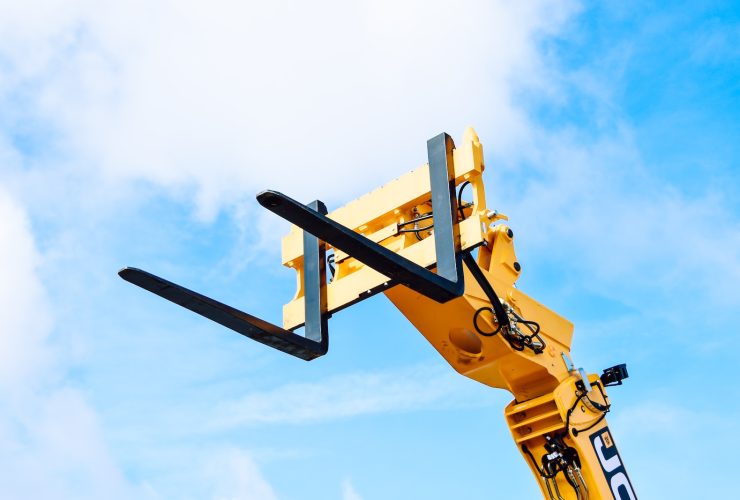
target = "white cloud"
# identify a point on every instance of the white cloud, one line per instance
(348, 491)
(622, 230)
(24, 316)
(217, 102)
(346, 395)
(234, 475)
(324, 100)
(319, 99)
(51, 444)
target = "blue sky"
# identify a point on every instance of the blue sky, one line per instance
(138, 134)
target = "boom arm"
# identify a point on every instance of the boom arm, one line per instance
(413, 240)
(557, 418)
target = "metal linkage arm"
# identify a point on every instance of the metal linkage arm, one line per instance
(313, 345)
(447, 283)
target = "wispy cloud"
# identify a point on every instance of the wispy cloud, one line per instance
(349, 492)
(52, 445)
(234, 475)
(107, 105)
(624, 232)
(25, 319)
(347, 395)
(230, 103)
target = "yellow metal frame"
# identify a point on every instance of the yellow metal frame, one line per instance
(377, 215)
(544, 386)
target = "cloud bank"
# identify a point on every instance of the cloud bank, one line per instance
(52, 443)
(346, 395)
(319, 99)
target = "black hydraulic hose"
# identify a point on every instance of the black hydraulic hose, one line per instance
(478, 328)
(416, 219)
(569, 413)
(578, 431)
(501, 317)
(459, 199)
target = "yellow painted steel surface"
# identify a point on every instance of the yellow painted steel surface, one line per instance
(543, 385)
(377, 215)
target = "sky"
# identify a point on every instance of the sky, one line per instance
(137, 133)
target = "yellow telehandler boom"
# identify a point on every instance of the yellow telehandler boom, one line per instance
(450, 267)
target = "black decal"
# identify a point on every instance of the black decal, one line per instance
(612, 466)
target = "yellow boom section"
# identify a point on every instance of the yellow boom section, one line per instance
(557, 416)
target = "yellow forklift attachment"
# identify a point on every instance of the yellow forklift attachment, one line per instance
(376, 243)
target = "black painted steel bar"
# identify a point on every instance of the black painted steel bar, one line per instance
(313, 345)
(444, 207)
(314, 283)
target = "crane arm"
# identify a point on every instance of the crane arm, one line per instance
(450, 267)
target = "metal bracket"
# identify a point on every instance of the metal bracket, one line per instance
(316, 340)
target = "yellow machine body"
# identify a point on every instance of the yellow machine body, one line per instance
(548, 403)
(377, 216)
(414, 240)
